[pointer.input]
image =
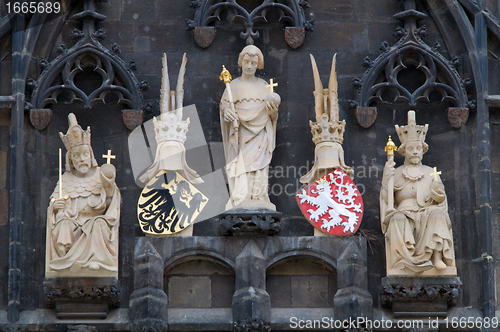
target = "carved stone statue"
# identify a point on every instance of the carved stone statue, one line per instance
(414, 211)
(170, 130)
(249, 113)
(84, 213)
(328, 131)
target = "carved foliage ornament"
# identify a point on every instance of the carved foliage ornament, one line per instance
(432, 77)
(448, 292)
(108, 293)
(291, 13)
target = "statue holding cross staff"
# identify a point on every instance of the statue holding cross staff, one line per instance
(248, 113)
(414, 211)
(83, 216)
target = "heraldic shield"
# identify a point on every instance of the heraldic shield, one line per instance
(332, 204)
(169, 207)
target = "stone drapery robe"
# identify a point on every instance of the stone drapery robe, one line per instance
(411, 240)
(249, 151)
(88, 225)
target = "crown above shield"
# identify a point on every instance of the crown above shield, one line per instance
(412, 131)
(75, 136)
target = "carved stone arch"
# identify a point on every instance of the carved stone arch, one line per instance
(283, 255)
(435, 79)
(58, 82)
(291, 13)
(198, 254)
(114, 74)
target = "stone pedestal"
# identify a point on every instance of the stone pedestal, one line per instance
(251, 302)
(419, 297)
(250, 222)
(78, 298)
(148, 302)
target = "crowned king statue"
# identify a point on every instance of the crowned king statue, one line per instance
(414, 210)
(84, 213)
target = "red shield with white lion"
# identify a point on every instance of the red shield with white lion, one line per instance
(332, 204)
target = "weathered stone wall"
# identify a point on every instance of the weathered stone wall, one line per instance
(353, 29)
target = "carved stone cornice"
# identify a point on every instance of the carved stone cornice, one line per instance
(82, 328)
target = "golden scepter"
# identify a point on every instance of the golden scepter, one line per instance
(60, 179)
(225, 76)
(390, 147)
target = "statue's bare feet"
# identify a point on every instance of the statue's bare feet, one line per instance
(437, 261)
(94, 266)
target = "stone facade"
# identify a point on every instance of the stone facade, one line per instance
(204, 282)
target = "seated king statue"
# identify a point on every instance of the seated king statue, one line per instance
(84, 213)
(414, 211)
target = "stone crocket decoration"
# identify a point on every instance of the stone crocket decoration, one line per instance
(170, 130)
(414, 211)
(84, 213)
(327, 131)
(249, 112)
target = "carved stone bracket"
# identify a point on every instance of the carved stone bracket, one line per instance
(291, 13)
(252, 325)
(424, 296)
(248, 222)
(82, 298)
(58, 82)
(438, 79)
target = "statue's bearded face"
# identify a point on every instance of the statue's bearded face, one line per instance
(249, 64)
(81, 159)
(414, 152)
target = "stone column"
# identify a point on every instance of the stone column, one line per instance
(251, 302)
(352, 298)
(148, 302)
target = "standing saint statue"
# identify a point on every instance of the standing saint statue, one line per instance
(414, 211)
(249, 112)
(84, 213)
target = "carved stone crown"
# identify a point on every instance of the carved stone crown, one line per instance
(75, 135)
(170, 128)
(327, 131)
(412, 131)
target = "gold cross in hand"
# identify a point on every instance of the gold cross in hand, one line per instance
(271, 85)
(435, 174)
(109, 156)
